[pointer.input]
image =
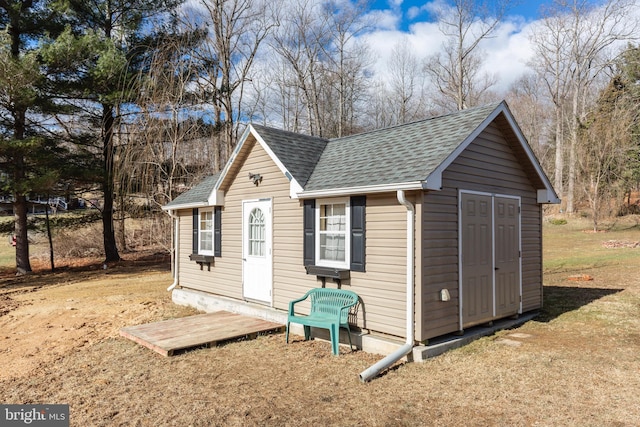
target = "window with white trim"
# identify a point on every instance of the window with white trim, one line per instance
(333, 233)
(205, 232)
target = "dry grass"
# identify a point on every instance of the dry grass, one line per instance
(576, 365)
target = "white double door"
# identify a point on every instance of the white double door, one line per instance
(257, 260)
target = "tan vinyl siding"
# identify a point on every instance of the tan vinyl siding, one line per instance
(489, 164)
(381, 287)
(225, 278)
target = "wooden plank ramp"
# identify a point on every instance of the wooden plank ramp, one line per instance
(169, 336)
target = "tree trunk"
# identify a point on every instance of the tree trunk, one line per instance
(108, 230)
(559, 159)
(121, 240)
(22, 241)
(23, 266)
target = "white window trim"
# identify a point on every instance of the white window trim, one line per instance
(347, 242)
(213, 242)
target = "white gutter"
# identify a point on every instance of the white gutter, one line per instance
(373, 371)
(176, 220)
(381, 188)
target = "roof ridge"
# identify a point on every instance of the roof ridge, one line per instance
(440, 116)
(297, 134)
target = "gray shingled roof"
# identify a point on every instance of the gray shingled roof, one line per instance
(196, 196)
(298, 153)
(399, 154)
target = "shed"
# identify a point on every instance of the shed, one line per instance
(450, 207)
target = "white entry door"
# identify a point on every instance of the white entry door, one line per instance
(256, 250)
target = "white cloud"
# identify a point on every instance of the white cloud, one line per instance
(413, 12)
(508, 52)
(505, 55)
(384, 20)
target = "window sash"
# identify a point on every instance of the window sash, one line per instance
(205, 232)
(332, 233)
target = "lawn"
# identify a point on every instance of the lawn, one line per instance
(577, 364)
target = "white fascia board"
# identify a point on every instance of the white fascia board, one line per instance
(294, 186)
(183, 206)
(233, 157)
(383, 188)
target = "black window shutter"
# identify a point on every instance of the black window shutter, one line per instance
(194, 242)
(358, 235)
(309, 245)
(217, 231)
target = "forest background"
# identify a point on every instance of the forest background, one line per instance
(124, 104)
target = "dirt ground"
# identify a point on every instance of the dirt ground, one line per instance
(576, 365)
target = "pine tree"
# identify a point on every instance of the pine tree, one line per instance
(27, 154)
(105, 44)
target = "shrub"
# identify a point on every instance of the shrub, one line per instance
(558, 221)
(79, 242)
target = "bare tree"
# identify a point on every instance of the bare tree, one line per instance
(379, 111)
(456, 71)
(552, 65)
(576, 44)
(607, 149)
(407, 96)
(167, 144)
(534, 114)
(346, 59)
(299, 40)
(276, 96)
(237, 28)
(323, 65)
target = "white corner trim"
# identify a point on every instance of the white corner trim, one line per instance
(273, 156)
(216, 198)
(294, 189)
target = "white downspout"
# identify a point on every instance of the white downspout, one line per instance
(176, 245)
(373, 371)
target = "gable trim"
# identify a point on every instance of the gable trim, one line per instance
(434, 180)
(294, 186)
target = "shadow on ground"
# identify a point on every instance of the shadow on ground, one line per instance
(562, 299)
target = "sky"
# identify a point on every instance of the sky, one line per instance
(408, 22)
(414, 10)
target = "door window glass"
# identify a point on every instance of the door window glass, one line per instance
(256, 233)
